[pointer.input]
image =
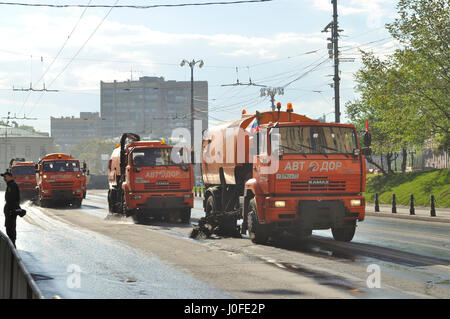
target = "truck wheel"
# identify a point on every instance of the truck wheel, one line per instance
(77, 203)
(123, 206)
(210, 208)
(186, 215)
(344, 234)
(259, 233)
(112, 202)
(43, 202)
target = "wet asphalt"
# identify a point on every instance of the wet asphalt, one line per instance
(74, 262)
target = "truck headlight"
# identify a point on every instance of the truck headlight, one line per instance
(355, 202)
(280, 203)
(44, 176)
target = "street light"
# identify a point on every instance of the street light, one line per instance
(6, 139)
(192, 65)
(272, 92)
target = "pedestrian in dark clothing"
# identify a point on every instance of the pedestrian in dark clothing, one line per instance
(12, 199)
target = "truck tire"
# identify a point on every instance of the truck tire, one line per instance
(210, 208)
(259, 233)
(43, 203)
(123, 206)
(77, 203)
(344, 234)
(110, 204)
(186, 215)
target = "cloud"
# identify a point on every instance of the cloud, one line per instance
(117, 47)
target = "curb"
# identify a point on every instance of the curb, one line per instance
(414, 217)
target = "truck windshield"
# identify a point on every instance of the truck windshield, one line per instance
(61, 166)
(23, 170)
(317, 140)
(154, 157)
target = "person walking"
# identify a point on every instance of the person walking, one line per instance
(12, 199)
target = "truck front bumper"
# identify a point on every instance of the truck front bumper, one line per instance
(160, 201)
(315, 211)
(61, 194)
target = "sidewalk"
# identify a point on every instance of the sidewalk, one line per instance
(421, 213)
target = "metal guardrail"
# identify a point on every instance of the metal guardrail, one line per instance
(15, 281)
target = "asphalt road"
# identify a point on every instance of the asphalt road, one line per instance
(86, 253)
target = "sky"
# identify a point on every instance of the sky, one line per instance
(277, 44)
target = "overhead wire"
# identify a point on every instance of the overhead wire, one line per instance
(57, 55)
(48, 5)
(76, 54)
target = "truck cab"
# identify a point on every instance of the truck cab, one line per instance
(153, 180)
(25, 177)
(281, 171)
(59, 180)
(318, 183)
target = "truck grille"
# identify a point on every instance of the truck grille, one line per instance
(62, 184)
(317, 185)
(162, 186)
(26, 185)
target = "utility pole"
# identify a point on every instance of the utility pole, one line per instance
(192, 65)
(334, 53)
(272, 92)
(6, 140)
(337, 79)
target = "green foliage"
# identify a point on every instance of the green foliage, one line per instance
(31, 129)
(90, 151)
(421, 184)
(406, 96)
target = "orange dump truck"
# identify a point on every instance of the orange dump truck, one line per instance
(280, 171)
(25, 176)
(59, 179)
(150, 179)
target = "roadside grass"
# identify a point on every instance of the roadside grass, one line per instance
(421, 184)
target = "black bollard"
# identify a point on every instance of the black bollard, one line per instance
(394, 204)
(411, 208)
(195, 191)
(433, 210)
(377, 205)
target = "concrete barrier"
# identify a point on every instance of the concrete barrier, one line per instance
(15, 281)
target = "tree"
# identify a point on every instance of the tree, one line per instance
(383, 103)
(406, 95)
(423, 30)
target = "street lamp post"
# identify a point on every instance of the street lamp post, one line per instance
(272, 92)
(6, 140)
(192, 65)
